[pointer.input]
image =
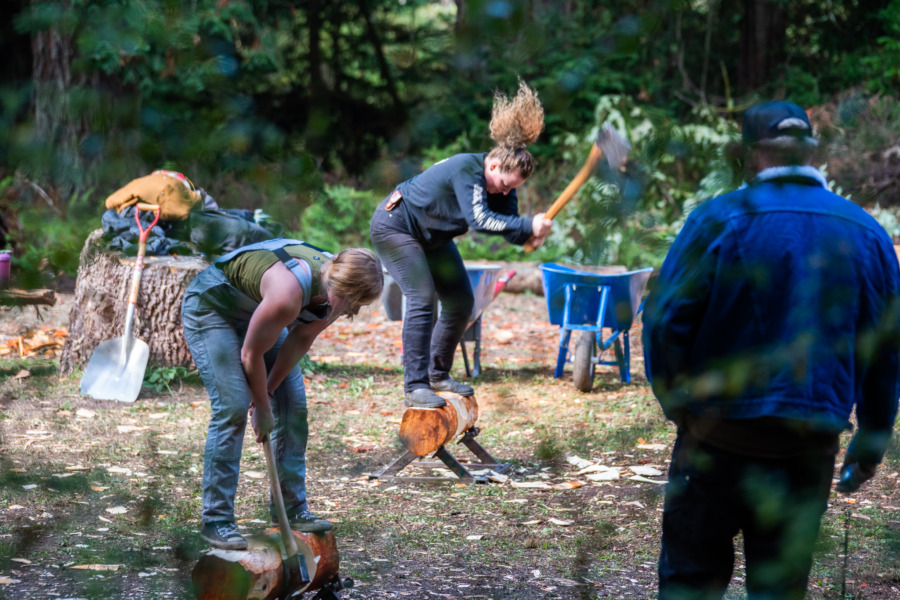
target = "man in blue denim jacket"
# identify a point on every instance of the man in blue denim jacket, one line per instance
(774, 314)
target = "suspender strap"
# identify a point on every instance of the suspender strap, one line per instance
(299, 269)
(317, 249)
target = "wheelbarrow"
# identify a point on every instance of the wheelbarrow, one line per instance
(589, 303)
(487, 282)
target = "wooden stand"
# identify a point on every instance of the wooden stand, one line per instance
(98, 311)
(257, 573)
(425, 431)
(462, 471)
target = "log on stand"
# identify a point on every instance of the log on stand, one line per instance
(425, 431)
(101, 299)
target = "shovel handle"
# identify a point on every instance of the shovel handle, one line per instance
(148, 207)
(139, 261)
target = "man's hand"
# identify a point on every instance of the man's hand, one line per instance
(263, 421)
(541, 227)
(853, 475)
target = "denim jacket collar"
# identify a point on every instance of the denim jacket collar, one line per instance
(805, 172)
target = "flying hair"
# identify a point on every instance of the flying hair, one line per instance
(516, 123)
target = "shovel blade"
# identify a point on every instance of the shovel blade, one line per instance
(116, 370)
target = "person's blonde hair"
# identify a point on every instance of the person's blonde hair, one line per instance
(516, 123)
(355, 275)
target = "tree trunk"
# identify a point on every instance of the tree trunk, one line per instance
(461, 14)
(101, 300)
(57, 123)
(763, 29)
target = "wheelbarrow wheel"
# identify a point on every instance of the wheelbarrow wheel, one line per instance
(583, 360)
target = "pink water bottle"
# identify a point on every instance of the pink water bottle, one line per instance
(4, 269)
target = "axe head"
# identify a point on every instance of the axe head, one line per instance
(614, 146)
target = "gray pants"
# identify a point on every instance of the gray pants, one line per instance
(215, 316)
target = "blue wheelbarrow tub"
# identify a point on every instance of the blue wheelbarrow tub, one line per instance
(626, 290)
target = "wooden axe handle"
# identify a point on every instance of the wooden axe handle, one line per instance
(573, 186)
(287, 538)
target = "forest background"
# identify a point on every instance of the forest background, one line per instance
(313, 110)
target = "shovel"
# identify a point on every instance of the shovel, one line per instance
(295, 572)
(116, 369)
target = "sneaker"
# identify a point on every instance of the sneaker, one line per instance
(424, 398)
(306, 522)
(223, 535)
(448, 385)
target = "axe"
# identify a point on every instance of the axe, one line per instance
(609, 143)
(294, 562)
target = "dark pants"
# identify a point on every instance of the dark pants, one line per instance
(712, 494)
(424, 276)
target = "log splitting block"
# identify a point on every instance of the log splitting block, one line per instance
(309, 562)
(609, 143)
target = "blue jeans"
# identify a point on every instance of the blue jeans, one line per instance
(712, 494)
(215, 316)
(424, 276)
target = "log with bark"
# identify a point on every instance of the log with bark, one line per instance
(424, 430)
(101, 300)
(257, 573)
(14, 297)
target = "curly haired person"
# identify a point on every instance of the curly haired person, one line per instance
(412, 231)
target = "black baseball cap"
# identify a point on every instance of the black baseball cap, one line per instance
(775, 120)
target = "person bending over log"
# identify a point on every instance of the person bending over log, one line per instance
(412, 231)
(248, 320)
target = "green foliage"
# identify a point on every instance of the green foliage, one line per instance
(888, 219)
(339, 219)
(49, 236)
(631, 217)
(884, 60)
(159, 379)
(256, 99)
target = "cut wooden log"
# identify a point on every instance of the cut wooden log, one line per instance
(257, 573)
(14, 297)
(101, 300)
(424, 430)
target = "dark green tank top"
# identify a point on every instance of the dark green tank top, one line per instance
(245, 270)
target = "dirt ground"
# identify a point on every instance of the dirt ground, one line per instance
(102, 499)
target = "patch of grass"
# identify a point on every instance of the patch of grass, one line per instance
(627, 436)
(548, 447)
(160, 379)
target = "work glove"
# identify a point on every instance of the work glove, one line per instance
(854, 474)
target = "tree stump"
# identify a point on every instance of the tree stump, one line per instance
(101, 300)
